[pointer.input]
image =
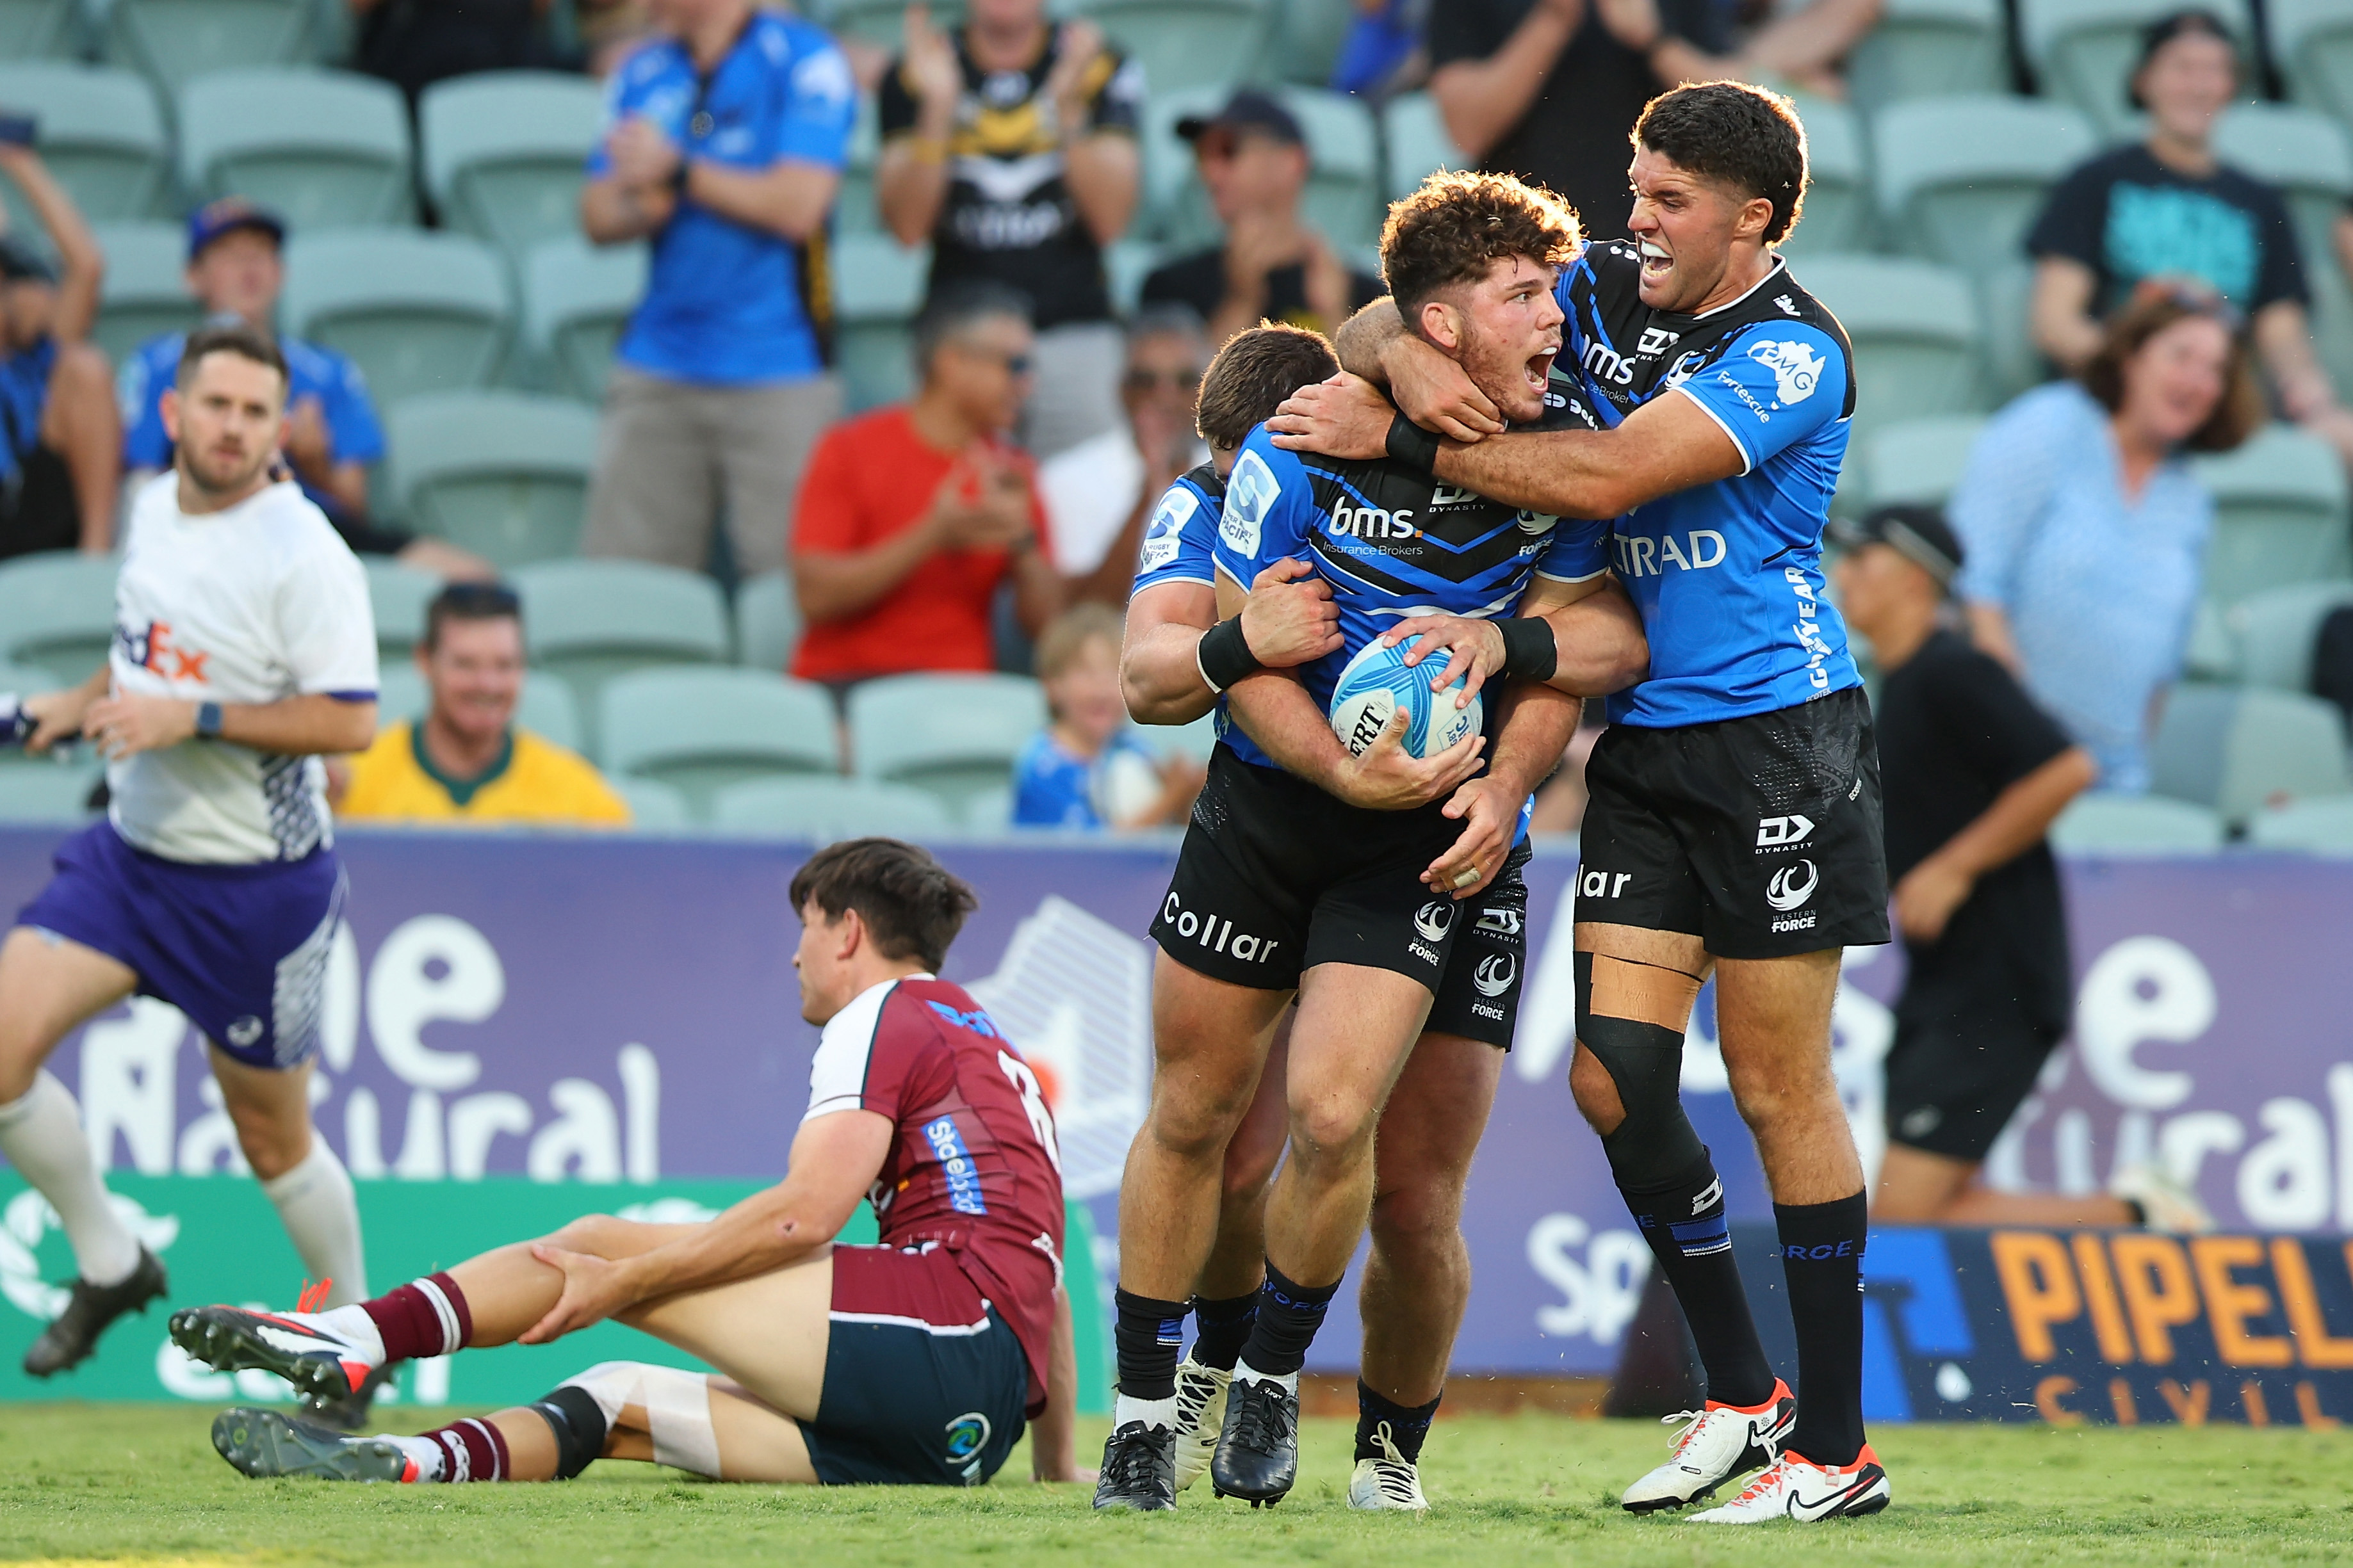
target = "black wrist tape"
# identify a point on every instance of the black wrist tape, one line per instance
(1530, 651)
(1409, 443)
(1225, 654)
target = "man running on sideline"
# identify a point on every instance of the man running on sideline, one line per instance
(1734, 817)
(914, 1361)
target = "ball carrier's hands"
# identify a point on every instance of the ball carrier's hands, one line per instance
(1275, 711)
(1597, 636)
(1532, 727)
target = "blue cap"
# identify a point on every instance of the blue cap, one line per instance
(226, 215)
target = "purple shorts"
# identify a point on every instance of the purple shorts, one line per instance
(241, 950)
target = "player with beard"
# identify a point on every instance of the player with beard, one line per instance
(1346, 878)
(1735, 818)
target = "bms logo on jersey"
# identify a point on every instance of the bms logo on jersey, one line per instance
(1371, 521)
(1797, 369)
(1248, 495)
(1162, 538)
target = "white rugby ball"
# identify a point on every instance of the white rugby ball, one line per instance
(1378, 682)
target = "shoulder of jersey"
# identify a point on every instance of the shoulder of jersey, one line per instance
(295, 517)
(1206, 478)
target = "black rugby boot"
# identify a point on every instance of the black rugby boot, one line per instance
(1139, 1469)
(69, 1341)
(1258, 1451)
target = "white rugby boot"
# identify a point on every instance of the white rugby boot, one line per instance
(2164, 1204)
(1390, 1482)
(1795, 1487)
(1720, 1442)
(1200, 1416)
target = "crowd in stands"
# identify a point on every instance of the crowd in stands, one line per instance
(1083, 210)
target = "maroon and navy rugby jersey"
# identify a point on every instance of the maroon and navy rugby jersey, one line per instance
(974, 1166)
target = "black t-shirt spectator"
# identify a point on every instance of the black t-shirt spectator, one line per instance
(1955, 731)
(1009, 216)
(2127, 216)
(1573, 138)
(1199, 280)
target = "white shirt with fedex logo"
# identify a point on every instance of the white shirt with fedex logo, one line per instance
(253, 605)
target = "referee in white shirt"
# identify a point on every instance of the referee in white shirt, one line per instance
(244, 649)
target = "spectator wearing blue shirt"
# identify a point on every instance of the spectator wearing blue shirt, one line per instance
(1087, 769)
(60, 446)
(236, 270)
(724, 142)
(2084, 530)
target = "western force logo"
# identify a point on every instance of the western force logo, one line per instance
(1536, 522)
(1797, 369)
(1248, 495)
(1792, 885)
(1434, 920)
(1494, 975)
(956, 1164)
(245, 1031)
(1780, 832)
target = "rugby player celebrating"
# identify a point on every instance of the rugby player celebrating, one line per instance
(915, 1361)
(1734, 819)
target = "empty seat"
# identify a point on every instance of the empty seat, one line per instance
(41, 29)
(2304, 153)
(398, 594)
(2321, 826)
(1308, 34)
(2313, 42)
(504, 152)
(1916, 336)
(1918, 461)
(33, 792)
(577, 298)
(2279, 514)
(25, 680)
(2084, 50)
(825, 809)
(855, 206)
(1837, 215)
(101, 134)
(587, 621)
(2275, 631)
(145, 292)
(877, 286)
(176, 41)
(2136, 824)
(698, 730)
(767, 622)
(954, 735)
(2238, 749)
(654, 806)
(882, 22)
(503, 474)
(1195, 740)
(326, 149)
(57, 611)
(1186, 43)
(1415, 145)
(1926, 48)
(420, 312)
(1962, 179)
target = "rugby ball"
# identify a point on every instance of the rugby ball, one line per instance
(1378, 682)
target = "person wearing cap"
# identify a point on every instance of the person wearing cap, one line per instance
(1974, 774)
(2168, 207)
(1272, 265)
(61, 440)
(236, 269)
(1010, 144)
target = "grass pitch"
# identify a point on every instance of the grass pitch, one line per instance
(141, 1485)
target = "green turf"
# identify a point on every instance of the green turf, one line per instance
(133, 1484)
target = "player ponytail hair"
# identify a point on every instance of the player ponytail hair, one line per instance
(910, 902)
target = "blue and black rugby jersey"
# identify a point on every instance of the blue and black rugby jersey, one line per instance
(1727, 577)
(1176, 547)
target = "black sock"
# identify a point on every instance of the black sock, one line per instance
(1288, 1317)
(1684, 1222)
(1408, 1425)
(1225, 1327)
(1149, 1335)
(1821, 1256)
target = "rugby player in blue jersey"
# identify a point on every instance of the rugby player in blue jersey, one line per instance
(1735, 816)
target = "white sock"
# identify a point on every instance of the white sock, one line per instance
(42, 1136)
(315, 1203)
(355, 1325)
(1151, 1412)
(426, 1452)
(1245, 1373)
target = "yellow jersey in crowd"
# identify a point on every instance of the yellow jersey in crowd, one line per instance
(533, 781)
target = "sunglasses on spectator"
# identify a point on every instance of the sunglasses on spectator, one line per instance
(1014, 363)
(1142, 379)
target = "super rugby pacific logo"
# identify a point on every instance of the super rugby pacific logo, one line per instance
(1792, 885)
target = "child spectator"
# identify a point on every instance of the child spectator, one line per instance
(1087, 768)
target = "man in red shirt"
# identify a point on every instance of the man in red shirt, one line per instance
(914, 1361)
(911, 515)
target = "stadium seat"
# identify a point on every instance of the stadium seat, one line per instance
(882, 22)
(420, 312)
(1415, 143)
(1917, 462)
(822, 809)
(503, 152)
(1837, 215)
(698, 730)
(2308, 155)
(2279, 514)
(1916, 336)
(954, 735)
(877, 286)
(42, 29)
(2103, 823)
(101, 135)
(2238, 749)
(767, 622)
(577, 298)
(1961, 179)
(1307, 38)
(326, 149)
(397, 594)
(855, 208)
(2275, 631)
(2006, 295)
(1926, 48)
(654, 807)
(2083, 51)
(589, 621)
(1127, 263)
(57, 611)
(1186, 43)
(33, 792)
(1195, 740)
(503, 474)
(2316, 827)
(545, 708)
(25, 680)
(144, 293)
(990, 812)
(176, 41)
(2313, 42)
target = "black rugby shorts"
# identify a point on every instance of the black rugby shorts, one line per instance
(1968, 1046)
(1480, 996)
(1760, 835)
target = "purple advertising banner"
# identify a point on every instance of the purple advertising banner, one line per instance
(622, 1009)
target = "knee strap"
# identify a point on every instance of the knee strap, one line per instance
(578, 1422)
(1644, 1057)
(677, 1406)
